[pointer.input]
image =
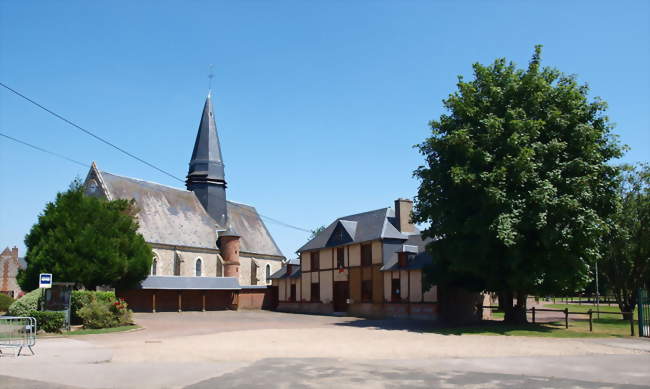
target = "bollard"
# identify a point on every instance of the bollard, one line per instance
(533, 315)
(632, 324)
(566, 318)
(591, 324)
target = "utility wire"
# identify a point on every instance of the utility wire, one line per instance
(45, 151)
(88, 131)
(279, 222)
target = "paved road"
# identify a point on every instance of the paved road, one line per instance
(328, 373)
(251, 349)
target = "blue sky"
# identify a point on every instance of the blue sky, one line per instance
(318, 104)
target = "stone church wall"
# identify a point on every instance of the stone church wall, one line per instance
(245, 268)
(165, 265)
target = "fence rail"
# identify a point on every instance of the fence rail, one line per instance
(566, 313)
(18, 333)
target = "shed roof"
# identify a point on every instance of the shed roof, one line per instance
(201, 283)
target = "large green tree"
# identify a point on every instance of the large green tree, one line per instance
(516, 186)
(88, 241)
(626, 260)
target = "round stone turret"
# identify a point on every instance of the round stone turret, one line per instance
(229, 244)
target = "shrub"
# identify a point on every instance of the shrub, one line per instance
(5, 302)
(101, 314)
(48, 321)
(81, 298)
(24, 305)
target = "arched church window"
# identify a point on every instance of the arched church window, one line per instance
(197, 267)
(154, 266)
(268, 273)
(219, 268)
(177, 264)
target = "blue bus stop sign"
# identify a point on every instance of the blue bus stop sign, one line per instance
(45, 280)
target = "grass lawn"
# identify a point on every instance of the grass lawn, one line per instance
(609, 325)
(547, 330)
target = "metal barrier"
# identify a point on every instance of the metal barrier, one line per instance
(17, 332)
(644, 313)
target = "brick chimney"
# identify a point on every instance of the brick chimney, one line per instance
(229, 245)
(14, 252)
(403, 210)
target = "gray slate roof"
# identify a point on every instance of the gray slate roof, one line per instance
(202, 283)
(166, 215)
(175, 216)
(255, 238)
(206, 155)
(417, 261)
(361, 227)
(282, 273)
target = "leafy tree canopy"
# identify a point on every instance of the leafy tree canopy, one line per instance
(516, 186)
(88, 241)
(626, 262)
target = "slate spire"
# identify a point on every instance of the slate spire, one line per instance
(206, 176)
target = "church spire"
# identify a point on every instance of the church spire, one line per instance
(206, 176)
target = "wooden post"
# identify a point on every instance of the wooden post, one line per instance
(591, 324)
(204, 301)
(153, 297)
(180, 301)
(533, 309)
(566, 318)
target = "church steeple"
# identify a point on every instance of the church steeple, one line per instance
(206, 176)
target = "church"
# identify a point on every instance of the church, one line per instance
(209, 252)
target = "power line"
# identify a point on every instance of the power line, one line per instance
(45, 151)
(88, 131)
(70, 122)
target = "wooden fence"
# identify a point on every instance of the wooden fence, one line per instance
(566, 313)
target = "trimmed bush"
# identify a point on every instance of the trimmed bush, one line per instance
(24, 305)
(100, 314)
(81, 298)
(48, 321)
(5, 302)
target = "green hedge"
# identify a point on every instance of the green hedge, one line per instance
(81, 298)
(102, 314)
(5, 302)
(24, 305)
(48, 321)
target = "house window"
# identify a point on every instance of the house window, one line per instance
(197, 267)
(315, 293)
(268, 273)
(219, 268)
(315, 259)
(366, 254)
(177, 265)
(292, 296)
(366, 290)
(253, 272)
(340, 258)
(394, 291)
(154, 266)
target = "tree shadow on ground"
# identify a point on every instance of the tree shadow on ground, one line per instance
(489, 327)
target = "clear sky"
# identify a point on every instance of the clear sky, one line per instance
(318, 104)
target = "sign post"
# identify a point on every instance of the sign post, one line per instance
(45, 280)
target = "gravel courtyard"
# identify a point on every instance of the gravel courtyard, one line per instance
(270, 349)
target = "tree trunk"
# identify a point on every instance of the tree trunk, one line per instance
(515, 314)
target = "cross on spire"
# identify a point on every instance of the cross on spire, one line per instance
(210, 77)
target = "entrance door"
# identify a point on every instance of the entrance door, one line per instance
(341, 296)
